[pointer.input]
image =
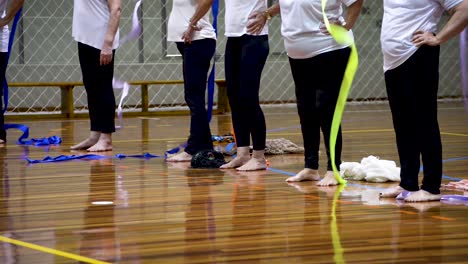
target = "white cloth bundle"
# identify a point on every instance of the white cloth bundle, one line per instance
(371, 169)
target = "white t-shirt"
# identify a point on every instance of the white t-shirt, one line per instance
(402, 18)
(90, 21)
(5, 34)
(179, 20)
(237, 16)
(300, 26)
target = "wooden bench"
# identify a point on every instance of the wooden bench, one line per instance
(68, 108)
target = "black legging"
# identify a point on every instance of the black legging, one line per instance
(412, 94)
(245, 58)
(97, 80)
(3, 66)
(196, 64)
(318, 81)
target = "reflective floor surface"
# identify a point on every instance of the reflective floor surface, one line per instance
(148, 211)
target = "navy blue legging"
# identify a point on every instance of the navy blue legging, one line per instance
(245, 58)
(97, 80)
(3, 66)
(196, 64)
(412, 93)
(318, 81)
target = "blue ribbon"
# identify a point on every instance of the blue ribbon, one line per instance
(53, 140)
(50, 159)
(211, 78)
(10, 45)
(62, 158)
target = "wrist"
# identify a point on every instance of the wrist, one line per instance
(267, 15)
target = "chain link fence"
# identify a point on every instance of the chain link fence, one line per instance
(44, 51)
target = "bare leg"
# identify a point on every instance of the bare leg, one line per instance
(242, 157)
(422, 196)
(257, 162)
(103, 144)
(90, 141)
(181, 157)
(305, 175)
(328, 180)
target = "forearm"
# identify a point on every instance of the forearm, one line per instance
(353, 13)
(456, 24)
(11, 11)
(200, 12)
(115, 8)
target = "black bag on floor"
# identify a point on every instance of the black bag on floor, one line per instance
(207, 159)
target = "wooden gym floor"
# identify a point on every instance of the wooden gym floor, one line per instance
(149, 211)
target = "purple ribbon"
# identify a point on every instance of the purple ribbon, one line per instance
(464, 66)
(116, 83)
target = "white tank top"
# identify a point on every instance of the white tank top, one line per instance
(90, 21)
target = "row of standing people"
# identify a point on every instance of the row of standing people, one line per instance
(409, 45)
(410, 48)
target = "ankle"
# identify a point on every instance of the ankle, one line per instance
(258, 154)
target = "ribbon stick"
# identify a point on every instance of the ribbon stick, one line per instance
(211, 78)
(342, 36)
(10, 45)
(464, 66)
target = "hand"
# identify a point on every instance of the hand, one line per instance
(257, 21)
(323, 27)
(188, 34)
(424, 38)
(106, 54)
(3, 22)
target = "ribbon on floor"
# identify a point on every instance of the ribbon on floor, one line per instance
(22, 140)
(62, 158)
(341, 35)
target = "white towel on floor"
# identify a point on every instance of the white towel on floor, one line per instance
(371, 169)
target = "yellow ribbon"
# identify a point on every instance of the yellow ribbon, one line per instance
(337, 248)
(51, 251)
(342, 36)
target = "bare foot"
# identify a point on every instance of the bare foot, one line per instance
(2, 142)
(236, 162)
(104, 144)
(181, 157)
(328, 180)
(90, 141)
(305, 175)
(253, 164)
(422, 196)
(392, 192)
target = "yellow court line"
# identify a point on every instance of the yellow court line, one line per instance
(51, 251)
(453, 134)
